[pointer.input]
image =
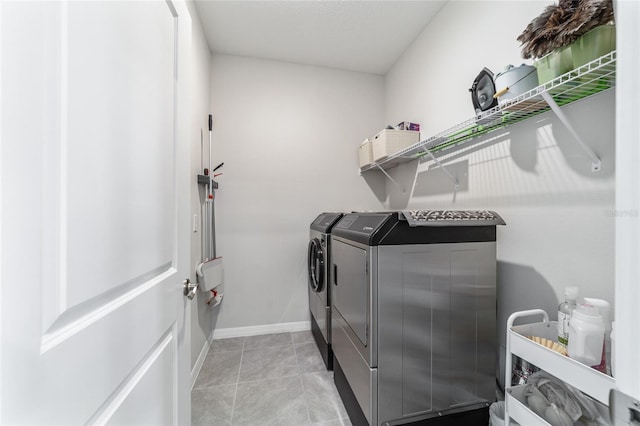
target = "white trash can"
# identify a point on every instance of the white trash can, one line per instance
(496, 414)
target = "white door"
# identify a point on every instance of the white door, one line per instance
(94, 220)
(627, 290)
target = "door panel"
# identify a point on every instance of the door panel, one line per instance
(95, 197)
(436, 327)
(627, 276)
(115, 132)
(147, 393)
(119, 139)
(351, 289)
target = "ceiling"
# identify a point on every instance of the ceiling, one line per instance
(365, 36)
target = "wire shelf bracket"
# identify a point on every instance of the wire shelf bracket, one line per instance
(400, 187)
(596, 163)
(456, 185)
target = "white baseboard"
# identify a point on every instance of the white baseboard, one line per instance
(200, 361)
(225, 333)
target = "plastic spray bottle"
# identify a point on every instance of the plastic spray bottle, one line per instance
(564, 313)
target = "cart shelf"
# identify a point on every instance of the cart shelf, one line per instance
(582, 377)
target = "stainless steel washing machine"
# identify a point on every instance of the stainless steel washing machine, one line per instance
(319, 259)
(414, 316)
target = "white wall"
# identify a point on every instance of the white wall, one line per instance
(288, 135)
(560, 224)
(201, 313)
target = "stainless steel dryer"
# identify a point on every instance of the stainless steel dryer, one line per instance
(319, 259)
(414, 316)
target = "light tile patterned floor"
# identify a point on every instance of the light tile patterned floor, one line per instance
(274, 379)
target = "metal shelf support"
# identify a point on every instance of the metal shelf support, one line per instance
(596, 163)
(443, 168)
(400, 187)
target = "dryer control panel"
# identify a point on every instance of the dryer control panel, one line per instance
(365, 224)
(325, 222)
(398, 228)
(452, 217)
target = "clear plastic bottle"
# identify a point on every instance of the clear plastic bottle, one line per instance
(564, 313)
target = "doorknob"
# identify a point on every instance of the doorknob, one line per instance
(189, 289)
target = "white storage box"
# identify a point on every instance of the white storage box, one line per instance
(365, 154)
(390, 141)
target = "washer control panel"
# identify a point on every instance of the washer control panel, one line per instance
(452, 217)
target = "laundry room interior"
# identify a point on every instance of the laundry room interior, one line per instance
(289, 135)
(380, 228)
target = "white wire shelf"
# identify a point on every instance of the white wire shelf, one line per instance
(594, 77)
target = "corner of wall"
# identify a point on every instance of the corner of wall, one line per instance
(200, 108)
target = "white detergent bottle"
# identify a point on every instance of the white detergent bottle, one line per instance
(604, 308)
(586, 335)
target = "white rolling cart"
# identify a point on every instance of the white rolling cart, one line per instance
(584, 378)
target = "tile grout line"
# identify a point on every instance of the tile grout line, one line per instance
(214, 354)
(288, 376)
(273, 346)
(304, 391)
(235, 395)
(299, 373)
(267, 347)
(233, 405)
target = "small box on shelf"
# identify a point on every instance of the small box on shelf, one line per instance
(365, 153)
(406, 125)
(390, 141)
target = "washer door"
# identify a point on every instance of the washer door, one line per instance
(315, 265)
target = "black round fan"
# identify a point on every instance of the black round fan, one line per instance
(482, 91)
